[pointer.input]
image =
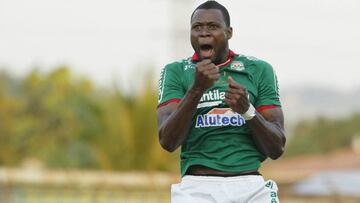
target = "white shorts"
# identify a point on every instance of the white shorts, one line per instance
(213, 189)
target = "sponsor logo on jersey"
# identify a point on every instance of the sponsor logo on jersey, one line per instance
(211, 98)
(219, 117)
(237, 65)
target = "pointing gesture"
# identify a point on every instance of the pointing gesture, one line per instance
(237, 98)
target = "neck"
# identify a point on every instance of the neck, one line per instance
(224, 56)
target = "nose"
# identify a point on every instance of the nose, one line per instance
(204, 32)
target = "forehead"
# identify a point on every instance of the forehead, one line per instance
(208, 15)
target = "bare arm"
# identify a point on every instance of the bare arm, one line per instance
(268, 131)
(267, 125)
(174, 119)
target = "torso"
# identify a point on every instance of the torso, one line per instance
(219, 141)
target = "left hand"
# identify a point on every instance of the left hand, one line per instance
(237, 97)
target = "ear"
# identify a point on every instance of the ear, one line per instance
(229, 32)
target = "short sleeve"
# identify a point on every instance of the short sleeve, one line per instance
(268, 89)
(170, 83)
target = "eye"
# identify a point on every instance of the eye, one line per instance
(212, 27)
(196, 27)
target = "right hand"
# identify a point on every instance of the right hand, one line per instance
(206, 74)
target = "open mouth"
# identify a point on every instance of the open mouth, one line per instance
(206, 51)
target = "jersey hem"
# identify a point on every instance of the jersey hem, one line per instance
(176, 100)
(267, 103)
(263, 107)
(216, 166)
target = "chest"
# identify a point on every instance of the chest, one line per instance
(217, 92)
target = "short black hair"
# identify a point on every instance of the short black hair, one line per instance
(214, 5)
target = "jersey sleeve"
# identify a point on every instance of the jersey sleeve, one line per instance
(170, 84)
(268, 89)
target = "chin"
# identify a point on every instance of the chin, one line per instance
(215, 60)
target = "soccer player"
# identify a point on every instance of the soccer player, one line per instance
(223, 109)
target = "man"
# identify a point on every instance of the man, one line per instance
(223, 109)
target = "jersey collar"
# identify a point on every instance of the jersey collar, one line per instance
(195, 58)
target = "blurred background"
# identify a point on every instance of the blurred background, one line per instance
(78, 96)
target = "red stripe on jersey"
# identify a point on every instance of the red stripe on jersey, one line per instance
(168, 102)
(195, 58)
(260, 108)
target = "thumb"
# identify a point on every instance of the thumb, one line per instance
(232, 83)
(230, 80)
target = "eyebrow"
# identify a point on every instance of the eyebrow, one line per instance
(205, 23)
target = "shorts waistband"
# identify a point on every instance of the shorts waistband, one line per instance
(255, 173)
(223, 179)
(200, 170)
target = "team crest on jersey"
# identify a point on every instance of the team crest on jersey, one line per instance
(219, 117)
(237, 65)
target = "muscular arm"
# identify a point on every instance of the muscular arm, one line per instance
(267, 126)
(268, 131)
(174, 120)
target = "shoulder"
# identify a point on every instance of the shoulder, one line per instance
(251, 60)
(180, 65)
(256, 64)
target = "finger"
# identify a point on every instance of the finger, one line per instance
(236, 103)
(215, 76)
(231, 96)
(234, 91)
(243, 101)
(207, 67)
(210, 72)
(240, 97)
(230, 102)
(233, 83)
(228, 95)
(214, 70)
(205, 62)
(212, 66)
(238, 88)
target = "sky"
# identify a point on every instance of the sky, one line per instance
(308, 42)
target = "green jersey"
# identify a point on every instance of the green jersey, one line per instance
(219, 138)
